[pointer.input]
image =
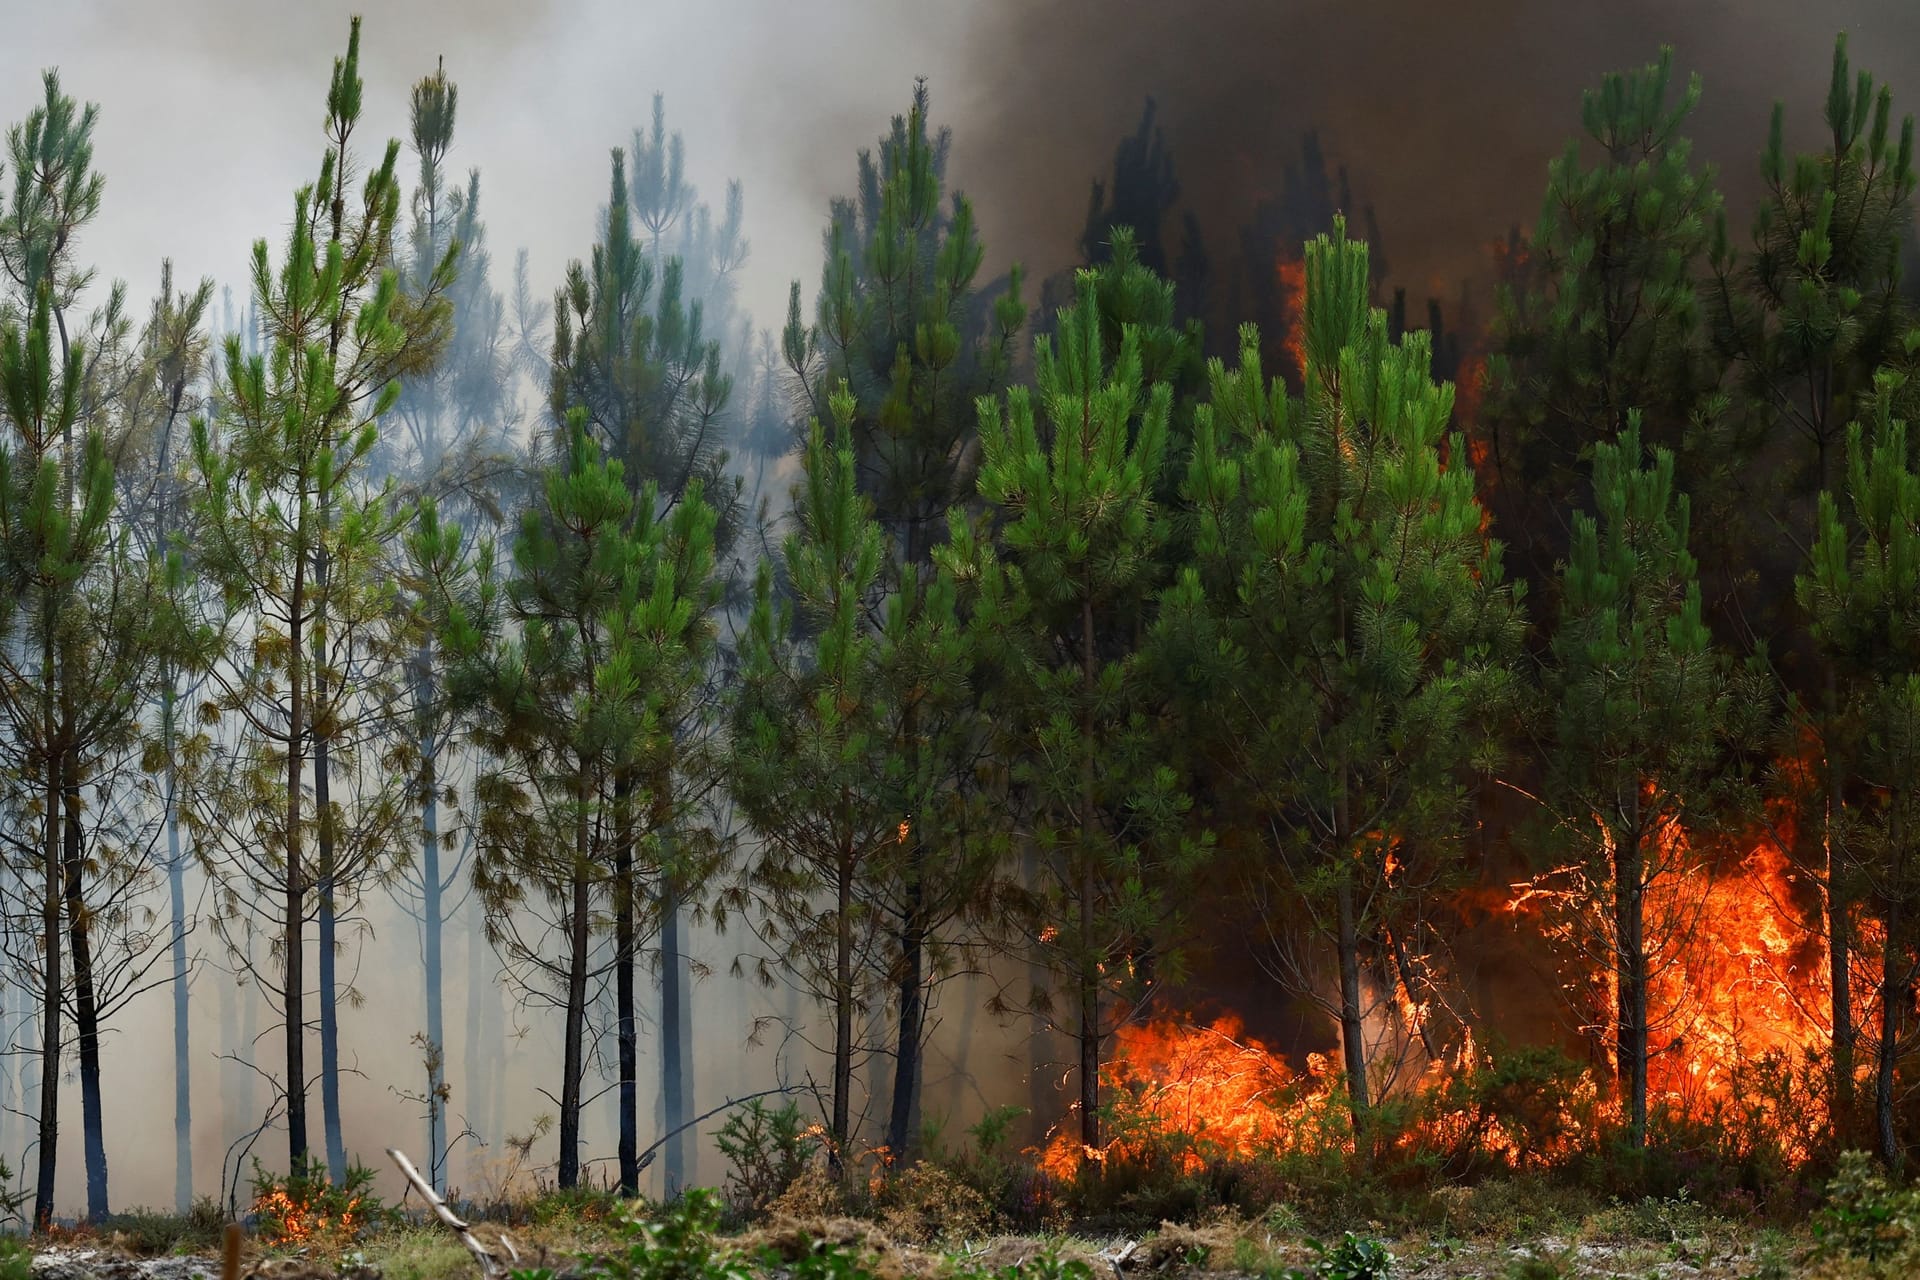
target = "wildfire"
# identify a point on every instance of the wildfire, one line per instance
(298, 1223)
(1292, 275)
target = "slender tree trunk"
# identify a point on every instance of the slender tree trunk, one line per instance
(479, 1066)
(1893, 995)
(293, 938)
(328, 931)
(676, 1034)
(1353, 1044)
(626, 1032)
(1089, 964)
(86, 1004)
(1630, 978)
(676, 1040)
(902, 1120)
(53, 986)
(1839, 936)
(843, 1011)
(177, 904)
(573, 1066)
(432, 911)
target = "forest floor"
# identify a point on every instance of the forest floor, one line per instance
(1221, 1252)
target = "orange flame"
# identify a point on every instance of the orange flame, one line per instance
(1292, 275)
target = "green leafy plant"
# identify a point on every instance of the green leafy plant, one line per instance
(767, 1149)
(12, 1199)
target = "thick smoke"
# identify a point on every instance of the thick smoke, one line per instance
(1445, 116)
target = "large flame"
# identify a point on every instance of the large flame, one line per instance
(1739, 1000)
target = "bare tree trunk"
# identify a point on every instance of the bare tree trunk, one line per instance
(843, 1013)
(1630, 962)
(293, 938)
(626, 1032)
(573, 1066)
(177, 903)
(86, 1004)
(53, 986)
(1353, 1043)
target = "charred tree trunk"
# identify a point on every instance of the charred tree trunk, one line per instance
(573, 1065)
(842, 1012)
(1839, 948)
(676, 1035)
(1353, 1042)
(177, 942)
(53, 986)
(902, 1119)
(1088, 965)
(1893, 997)
(432, 919)
(1630, 960)
(293, 922)
(625, 953)
(86, 1003)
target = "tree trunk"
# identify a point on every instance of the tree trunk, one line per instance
(432, 919)
(293, 940)
(177, 903)
(625, 953)
(1892, 1007)
(842, 1012)
(477, 1075)
(1353, 1045)
(328, 930)
(86, 1005)
(676, 1035)
(1839, 942)
(902, 1121)
(1088, 963)
(53, 987)
(1630, 977)
(573, 1065)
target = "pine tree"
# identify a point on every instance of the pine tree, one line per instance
(299, 545)
(1646, 712)
(611, 596)
(85, 623)
(1861, 591)
(1055, 613)
(903, 324)
(1808, 316)
(1613, 319)
(1348, 633)
(454, 444)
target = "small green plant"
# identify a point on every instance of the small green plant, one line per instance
(678, 1244)
(767, 1149)
(1351, 1257)
(12, 1198)
(16, 1259)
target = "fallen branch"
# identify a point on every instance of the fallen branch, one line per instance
(492, 1266)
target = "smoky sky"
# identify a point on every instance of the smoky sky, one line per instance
(1445, 115)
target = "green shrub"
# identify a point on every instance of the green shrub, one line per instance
(767, 1149)
(16, 1259)
(1865, 1216)
(678, 1244)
